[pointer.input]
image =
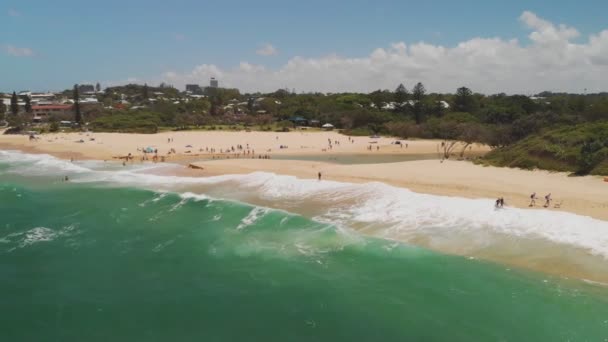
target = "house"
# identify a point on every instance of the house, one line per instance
(43, 112)
(89, 100)
(7, 103)
(39, 98)
(86, 89)
(197, 96)
(298, 121)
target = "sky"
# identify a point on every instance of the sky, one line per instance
(516, 47)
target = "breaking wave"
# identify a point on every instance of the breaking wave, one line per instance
(373, 208)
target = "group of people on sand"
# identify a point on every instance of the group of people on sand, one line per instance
(548, 200)
(500, 202)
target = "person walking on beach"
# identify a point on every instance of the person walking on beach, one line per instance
(533, 199)
(547, 200)
(319, 175)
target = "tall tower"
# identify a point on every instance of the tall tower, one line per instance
(213, 83)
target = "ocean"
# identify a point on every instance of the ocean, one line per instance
(131, 254)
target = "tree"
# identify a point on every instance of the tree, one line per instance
(589, 157)
(380, 97)
(213, 111)
(418, 94)
(76, 97)
(54, 127)
(250, 104)
(2, 110)
(14, 104)
(16, 122)
(464, 100)
(401, 97)
(28, 104)
(98, 87)
(145, 91)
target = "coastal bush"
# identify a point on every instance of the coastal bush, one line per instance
(582, 149)
(140, 122)
(359, 132)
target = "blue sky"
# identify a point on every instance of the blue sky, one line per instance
(50, 45)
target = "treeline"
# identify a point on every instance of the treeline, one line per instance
(556, 131)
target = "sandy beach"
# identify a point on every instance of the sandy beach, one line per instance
(190, 143)
(581, 195)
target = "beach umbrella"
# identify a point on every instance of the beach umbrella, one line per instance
(328, 125)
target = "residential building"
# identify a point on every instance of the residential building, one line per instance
(194, 89)
(86, 89)
(43, 112)
(213, 83)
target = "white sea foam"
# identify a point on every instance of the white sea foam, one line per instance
(38, 164)
(32, 236)
(255, 214)
(395, 213)
(194, 197)
(400, 212)
(38, 234)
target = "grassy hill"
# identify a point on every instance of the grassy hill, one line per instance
(581, 149)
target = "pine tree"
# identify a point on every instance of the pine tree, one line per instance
(28, 104)
(401, 97)
(418, 94)
(145, 91)
(14, 104)
(78, 115)
(3, 110)
(464, 101)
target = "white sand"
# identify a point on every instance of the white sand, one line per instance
(581, 195)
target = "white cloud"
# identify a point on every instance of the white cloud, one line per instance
(550, 60)
(19, 51)
(14, 13)
(267, 50)
(545, 32)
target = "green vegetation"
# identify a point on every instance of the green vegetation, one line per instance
(554, 131)
(582, 149)
(14, 104)
(140, 122)
(76, 98)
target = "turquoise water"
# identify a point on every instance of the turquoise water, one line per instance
(91, 262)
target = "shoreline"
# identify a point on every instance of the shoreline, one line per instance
(586, 195)
(449, 178)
